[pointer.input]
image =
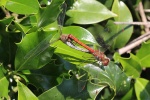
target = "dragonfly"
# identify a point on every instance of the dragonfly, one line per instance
(100, 56)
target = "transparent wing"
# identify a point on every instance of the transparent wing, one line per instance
(70, 44)
(42, 46)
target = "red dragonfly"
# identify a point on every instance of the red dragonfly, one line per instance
(100, 56)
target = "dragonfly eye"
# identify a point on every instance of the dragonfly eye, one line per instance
(105, 62)
(64, 38)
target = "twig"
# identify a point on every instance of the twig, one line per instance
(133, 23)
(134, 44)
(147, 10)
(6, 12)
(140, 37)
(141, 11)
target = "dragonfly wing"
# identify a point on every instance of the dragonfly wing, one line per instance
(42, 46)
(102, 43)
(70, 44)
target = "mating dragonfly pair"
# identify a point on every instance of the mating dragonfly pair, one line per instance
(100, 56)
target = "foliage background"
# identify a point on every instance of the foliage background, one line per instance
(35, 64)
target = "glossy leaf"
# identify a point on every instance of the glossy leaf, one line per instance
(68, 89)
(80, 33)
(6, 21)
(143, 54)
(131, 65)
(50, 13)
(46, 77)
(142, 89)
(24, 93)
(3, 2)
(70, 54)
(111, 76)
(23, 6)
(130, 95)
(34, 50)
(124, 15)
(107, 3)
(95, 11)
(4, 83)
(22, 28)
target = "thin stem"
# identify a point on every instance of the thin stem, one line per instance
(141, 11)
(133, 23)
(134, 44)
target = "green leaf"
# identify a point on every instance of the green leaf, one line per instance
(107, 3)
(70, 54)
(130, 95)
(45, 78)
(142, 89)
(3, 2)
(80, 33)
(22, 28)
(5, 22)
(23, 6)
(144, 54)
(124, 15)
(4, 83)
(130, 65)
(90, 12)
(68, 89)
(50, 13)
(111, 76)
(34, 50)
(24, 93)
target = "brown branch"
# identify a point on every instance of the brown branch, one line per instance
(133, 23)
(147, 10)
(141, 11)
(134, 43)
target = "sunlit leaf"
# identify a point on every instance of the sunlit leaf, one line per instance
(45, 78)
(68, 89)
(22, 28)
(90, 12)
(34, 50)
(130, 95)
(24, 93)
(112, 76)
(3, 2)
(144, 54)
(131, 65)
(23, 6)
(124, 15)
(80, 33)
(50, 13)
(72, 55)
(4, 83)
(142, 89)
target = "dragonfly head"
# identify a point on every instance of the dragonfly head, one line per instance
(64, 38)
(105, 61)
